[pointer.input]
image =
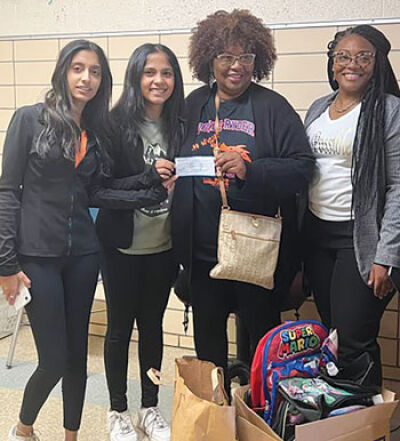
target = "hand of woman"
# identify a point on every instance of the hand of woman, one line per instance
(11, 284)
(231, 162)
(165, 168)
(169, 184)
(380, 281)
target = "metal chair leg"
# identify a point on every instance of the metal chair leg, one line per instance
(14, 339)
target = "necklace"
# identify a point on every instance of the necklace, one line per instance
(343, 109)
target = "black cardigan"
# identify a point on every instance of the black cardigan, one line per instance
(282, 167)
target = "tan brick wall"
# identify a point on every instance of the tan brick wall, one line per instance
(300, 75)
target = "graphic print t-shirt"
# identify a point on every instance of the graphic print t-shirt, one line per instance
(332, 141)
(237, 133)
(152, 225)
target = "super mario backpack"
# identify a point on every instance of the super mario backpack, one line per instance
(293, 349)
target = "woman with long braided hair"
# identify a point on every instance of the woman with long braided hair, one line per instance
(352, 222)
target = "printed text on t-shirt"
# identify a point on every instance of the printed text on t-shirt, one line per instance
(227, 124)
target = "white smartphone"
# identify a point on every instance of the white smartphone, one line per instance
(23, 298)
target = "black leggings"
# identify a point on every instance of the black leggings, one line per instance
(396, 278)
(213, 300)
(136, 288)
(62, 294)
(346, 303)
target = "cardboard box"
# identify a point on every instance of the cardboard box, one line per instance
(371, 424)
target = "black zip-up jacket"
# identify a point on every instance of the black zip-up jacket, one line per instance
(282, 167)
(115, 227)
(44, 202)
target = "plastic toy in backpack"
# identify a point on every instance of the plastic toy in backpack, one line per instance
(293, 349)
(318, 399)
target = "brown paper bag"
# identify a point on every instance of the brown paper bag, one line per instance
(370, 424)
(250, 427)
(200, 409)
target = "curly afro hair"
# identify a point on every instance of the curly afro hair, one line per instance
(218, 31)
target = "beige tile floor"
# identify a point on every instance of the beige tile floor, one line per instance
(49, 423)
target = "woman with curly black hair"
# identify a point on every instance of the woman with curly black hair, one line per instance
(266, 160)
(352, 224)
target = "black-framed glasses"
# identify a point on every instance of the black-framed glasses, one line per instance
(362, 59)
(228, 59)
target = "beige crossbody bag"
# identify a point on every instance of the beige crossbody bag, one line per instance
(248, 244)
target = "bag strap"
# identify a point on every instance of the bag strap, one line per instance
(221, 182)
(216, 151)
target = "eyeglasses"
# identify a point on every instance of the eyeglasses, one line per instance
(227, 60)
(363, 59)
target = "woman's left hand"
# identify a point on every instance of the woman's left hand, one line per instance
(231, 162)
(380, 281)
(169, 184)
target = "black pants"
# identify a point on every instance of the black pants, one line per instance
(212, 302)
(346, 303)
(396, 278)
(136, 288)
(62, 294)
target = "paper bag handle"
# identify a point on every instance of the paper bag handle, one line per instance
(219, 394)
(157, 377)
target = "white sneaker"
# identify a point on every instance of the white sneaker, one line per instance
(120, 426)
(12, 436)
(153, 424)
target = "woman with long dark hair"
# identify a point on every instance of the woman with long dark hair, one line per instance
(352, 224)
(55, 165)
(138, 268)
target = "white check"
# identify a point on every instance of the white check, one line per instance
(195, 166)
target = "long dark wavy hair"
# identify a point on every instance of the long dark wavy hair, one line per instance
(129, 112)
(59, 126)
(369, 140)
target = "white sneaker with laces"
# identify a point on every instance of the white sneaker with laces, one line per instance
(12, 436)
(120, 426)
(153, 424)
